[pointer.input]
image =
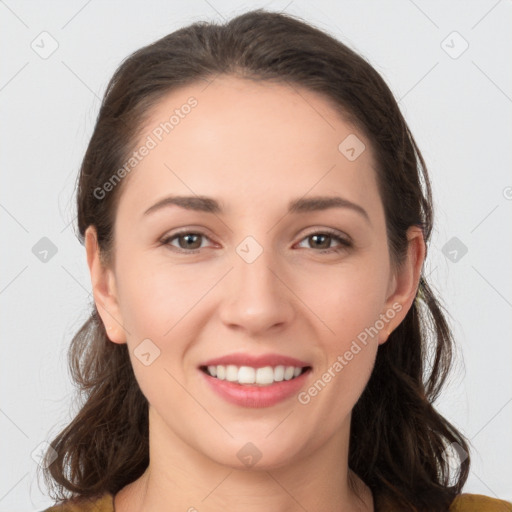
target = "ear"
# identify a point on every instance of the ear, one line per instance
(404, 282)
(104, 289)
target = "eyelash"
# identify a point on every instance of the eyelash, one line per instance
(344, 243)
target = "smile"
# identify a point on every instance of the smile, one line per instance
(247, 375)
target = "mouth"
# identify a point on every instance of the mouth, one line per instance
(255, 381)
(252, 376)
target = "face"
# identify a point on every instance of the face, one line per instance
(256, 275)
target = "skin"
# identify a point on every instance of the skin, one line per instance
(254, 147)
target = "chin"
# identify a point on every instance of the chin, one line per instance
(258, 455)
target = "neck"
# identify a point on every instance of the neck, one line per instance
(180, 478)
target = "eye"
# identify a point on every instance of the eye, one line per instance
(188, 241)
(192, 241)
(322, 240)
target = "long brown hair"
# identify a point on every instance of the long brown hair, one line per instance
(398, 439)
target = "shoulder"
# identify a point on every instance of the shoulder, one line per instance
(479, 503)
(101, 503)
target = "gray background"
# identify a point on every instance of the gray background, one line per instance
(458, 106)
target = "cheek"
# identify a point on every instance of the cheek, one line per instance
(156, 301)
(348, 299)
(154, 296)
(349, 354)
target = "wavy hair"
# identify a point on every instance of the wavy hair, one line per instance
(398, 440)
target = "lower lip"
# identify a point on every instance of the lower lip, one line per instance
(246, 395)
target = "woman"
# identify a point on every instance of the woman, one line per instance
(256, 216)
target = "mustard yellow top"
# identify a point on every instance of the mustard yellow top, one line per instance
(462, 503)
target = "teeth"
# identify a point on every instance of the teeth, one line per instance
(288, 373)
(265, 376)
(231, 373)
(246, 375)
(279, 373)
(259, 376)
(221, 372)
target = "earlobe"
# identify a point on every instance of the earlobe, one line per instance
(104, 289)
(405, 281)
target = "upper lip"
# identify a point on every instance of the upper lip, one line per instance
(256, 361)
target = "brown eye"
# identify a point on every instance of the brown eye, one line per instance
(323, 242)
(190, 241)
(320, 241)
(187, 241)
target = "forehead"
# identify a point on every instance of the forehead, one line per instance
(257, 142)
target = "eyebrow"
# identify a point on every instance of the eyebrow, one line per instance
(301, 205)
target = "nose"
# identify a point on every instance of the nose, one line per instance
(257, 298)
